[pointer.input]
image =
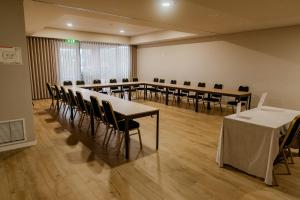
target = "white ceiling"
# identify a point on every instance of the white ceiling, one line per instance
(136, 17)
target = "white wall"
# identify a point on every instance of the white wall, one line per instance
(267, 60)
(15, 101)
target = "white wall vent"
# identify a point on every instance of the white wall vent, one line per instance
(12, 132)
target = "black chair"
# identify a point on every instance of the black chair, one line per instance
(98, 89)
(184, 93)
(153, 89)
(243, 100)
(58, 97)
(97, 112)
(200, 94)
(215, 98)
(52, 95)
(72, 102)
(83, 108)
(65, 99)
(161, 90)
(119, 125)
(171, 91)
(137, 88)
(125, 89)
(285, 142)
(80, 82)
(115, 90)
(67, 83)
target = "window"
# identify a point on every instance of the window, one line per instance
(92, 60)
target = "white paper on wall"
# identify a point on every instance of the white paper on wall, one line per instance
(10, 55)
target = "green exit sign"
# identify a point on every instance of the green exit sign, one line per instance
(71, 41)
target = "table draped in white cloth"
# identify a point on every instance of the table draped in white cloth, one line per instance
(250, 141)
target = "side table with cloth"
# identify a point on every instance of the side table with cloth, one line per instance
(250, 141)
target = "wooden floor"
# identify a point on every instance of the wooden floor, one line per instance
(68, 164)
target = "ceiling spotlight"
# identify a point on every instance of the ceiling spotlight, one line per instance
(122, 31)
(69, 24)
(165, 4)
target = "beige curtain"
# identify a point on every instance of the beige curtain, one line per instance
(133, 61)
(43, 65)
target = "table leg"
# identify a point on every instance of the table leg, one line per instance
(157, 130)
(126, 139)
(129, 93)
(92, 122)
(178, 96)
(208, 102)
(72, 113)
(167, 96)
(197, 100)
(145, 92)
(249, 102)
(57, 105)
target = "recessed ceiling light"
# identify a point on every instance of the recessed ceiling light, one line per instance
(165, 4)
(122, 31)
(69, 24)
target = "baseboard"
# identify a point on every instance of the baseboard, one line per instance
(18, 145)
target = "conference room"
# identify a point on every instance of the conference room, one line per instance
(152, 99)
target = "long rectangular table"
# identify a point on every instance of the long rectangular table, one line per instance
(250, 141)
(197, 90)
(126, 109)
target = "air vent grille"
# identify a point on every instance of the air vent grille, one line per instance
(12, 132)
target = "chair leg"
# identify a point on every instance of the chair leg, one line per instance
(275, 183)
(286, 162)
(109, 135)
(106, 132)
(140, 139)
(120, 144)
(292, 159)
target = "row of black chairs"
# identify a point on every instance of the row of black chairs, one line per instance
(103, 113)
(215, 99)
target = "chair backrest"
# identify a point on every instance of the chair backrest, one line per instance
(291, 132)
(243, 89)
(67, 83)
(80, 82)
(125, 80)
(50, 90)
(155, 80)
(72, 98)
(96, 107)
(80, 102)
(173, 82)
(64, 94)
(135, 79)
(113, 80)
(57, 91)
(217, 86)
(97, 81)
(186, 83)
(201, 84)
(109, 114)
(161, 80)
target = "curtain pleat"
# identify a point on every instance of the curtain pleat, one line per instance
(42, 64)
(133, 61)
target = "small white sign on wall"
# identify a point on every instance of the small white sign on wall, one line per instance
(10, 55)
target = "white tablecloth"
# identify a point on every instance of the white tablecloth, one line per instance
(250, 141)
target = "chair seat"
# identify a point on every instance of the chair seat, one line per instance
(131, 125)
(211, 99)
(182, 94)
(234, 103)
(116, 91)
(200, 95)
